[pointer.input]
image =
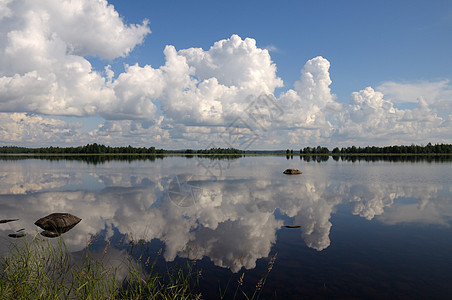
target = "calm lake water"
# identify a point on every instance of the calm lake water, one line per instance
(377, 229)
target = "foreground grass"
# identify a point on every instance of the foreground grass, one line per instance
(40, 269)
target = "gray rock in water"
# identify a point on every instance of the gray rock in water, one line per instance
(7, 220)
(59, 222)
(16, 235)
(292, 226)
(292, 171)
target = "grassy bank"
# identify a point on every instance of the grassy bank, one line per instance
(41, 269)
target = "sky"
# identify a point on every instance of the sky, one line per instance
(202, 74)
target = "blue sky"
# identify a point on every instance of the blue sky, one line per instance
(374, 73)
(366, 42)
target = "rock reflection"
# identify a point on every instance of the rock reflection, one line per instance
(233, 220)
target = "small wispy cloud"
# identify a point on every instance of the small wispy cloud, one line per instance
(272, 48)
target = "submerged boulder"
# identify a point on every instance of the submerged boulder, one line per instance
(58, 222)
(292, 171)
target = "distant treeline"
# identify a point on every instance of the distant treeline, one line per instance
(87, 149)
(102, 149)
(215, 151)
(412, 149)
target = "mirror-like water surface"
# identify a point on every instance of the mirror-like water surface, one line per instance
(366, 229)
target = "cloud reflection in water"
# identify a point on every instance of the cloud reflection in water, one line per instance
(233, 221)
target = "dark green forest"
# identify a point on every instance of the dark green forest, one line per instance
(319, 150)
(412, 149)
(102, 149)
(87, 149)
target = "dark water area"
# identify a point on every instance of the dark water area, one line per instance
(367, 228)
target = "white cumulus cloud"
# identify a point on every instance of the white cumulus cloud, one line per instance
(15, 128)
(370, 118)
(45, 69)
(43, 45)
(436, 93)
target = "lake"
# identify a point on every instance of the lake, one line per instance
(368, 228)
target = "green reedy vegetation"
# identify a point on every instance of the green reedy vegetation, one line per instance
(44, 269)
(39, 269)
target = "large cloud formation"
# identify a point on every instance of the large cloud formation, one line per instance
(45, 52)
(43, 45)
